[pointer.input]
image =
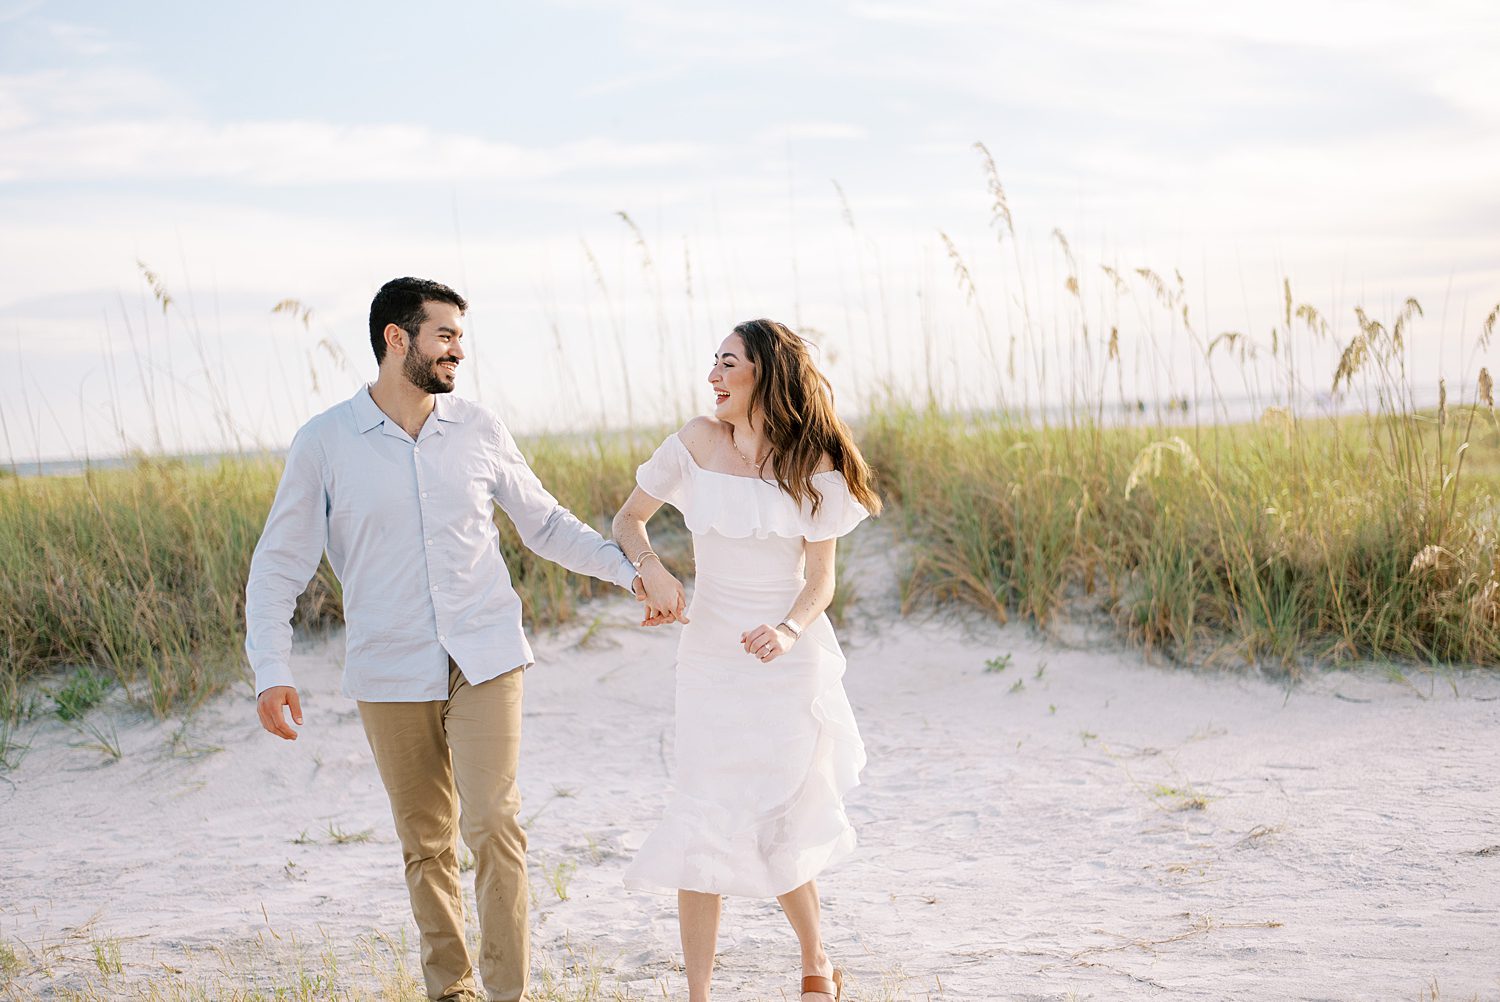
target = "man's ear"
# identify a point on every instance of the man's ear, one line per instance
(396, 337)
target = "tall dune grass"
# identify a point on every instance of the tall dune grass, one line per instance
(1277, 541)
(1269, 543)
(141, 571)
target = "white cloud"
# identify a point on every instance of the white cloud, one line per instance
(291, 152)
(88, 95)
(78, 39)
(792, 131)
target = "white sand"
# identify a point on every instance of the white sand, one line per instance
(1014, 844)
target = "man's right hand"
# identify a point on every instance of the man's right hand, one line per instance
(665, 601)
(272, 717)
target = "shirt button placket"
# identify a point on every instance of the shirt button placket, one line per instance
(416, 456)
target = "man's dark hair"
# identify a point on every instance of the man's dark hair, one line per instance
(400, 302)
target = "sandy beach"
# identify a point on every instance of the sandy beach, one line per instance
(1079, 823)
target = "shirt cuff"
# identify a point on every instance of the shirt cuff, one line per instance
(270, 675)
(627, 573)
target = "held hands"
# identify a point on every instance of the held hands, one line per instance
(272, 716)
(767, 642)
(662, 594)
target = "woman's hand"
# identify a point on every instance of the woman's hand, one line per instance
(767, 642)
(665, 600)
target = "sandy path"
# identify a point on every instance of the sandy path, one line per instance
(1080, 824)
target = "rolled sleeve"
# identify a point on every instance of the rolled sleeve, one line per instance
(546, 527)
(285, 559)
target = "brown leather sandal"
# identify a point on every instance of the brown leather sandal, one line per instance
(828, 986)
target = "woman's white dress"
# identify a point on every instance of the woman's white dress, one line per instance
(764, 752)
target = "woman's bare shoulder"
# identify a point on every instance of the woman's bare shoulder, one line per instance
(702, 432)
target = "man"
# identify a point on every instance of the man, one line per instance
(399, 484)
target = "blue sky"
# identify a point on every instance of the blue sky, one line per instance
(252, 153)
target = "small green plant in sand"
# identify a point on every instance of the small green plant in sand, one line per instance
(83, 691)
(338, 836)
(1180, 798)
(997, 664)
(559, 875)
(107, 955)
(100, 736)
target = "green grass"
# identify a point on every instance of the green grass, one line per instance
(137, 576)
(81, 693)
(1357, 538)
(1275, 542)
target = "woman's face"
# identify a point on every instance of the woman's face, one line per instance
(732, 379)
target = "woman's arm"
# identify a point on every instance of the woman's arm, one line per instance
(768, 641)
(665, 600)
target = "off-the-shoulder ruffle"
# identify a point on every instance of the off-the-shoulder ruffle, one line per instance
(665, 475)
(738, 507)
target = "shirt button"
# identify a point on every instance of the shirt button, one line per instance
(442, 638)
(416, 449)
(429, 542)
(434, 587)
(424, 494)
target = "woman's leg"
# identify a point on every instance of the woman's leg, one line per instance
(698, 915)
(802, 911)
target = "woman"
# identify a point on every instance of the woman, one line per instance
(766, 741)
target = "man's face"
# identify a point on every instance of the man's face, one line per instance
(432, 356)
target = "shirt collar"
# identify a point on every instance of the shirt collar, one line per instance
(445, 409)
(367, 414)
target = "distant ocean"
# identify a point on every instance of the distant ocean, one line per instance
(1171, 411)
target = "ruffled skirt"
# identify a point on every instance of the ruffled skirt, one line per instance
(765, 754)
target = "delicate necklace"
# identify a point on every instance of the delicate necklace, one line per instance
(736, 446)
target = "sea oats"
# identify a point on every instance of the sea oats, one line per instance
(1114, 276)
(1228, 339)
(844, 208)
(1353, 357)
(1067, 248)
(295, 309)
(1398, 338)
(1001, 207)
(1430, 558)
(158, 287)
(1314, 320)
(1148, 463)
(1157, 286)
(961, 270)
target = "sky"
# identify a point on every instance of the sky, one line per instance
(614, 185)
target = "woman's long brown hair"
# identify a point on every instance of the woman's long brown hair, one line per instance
(794, 403)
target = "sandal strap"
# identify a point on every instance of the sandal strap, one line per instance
(818, 983)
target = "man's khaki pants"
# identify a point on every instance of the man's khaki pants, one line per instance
(449, 767)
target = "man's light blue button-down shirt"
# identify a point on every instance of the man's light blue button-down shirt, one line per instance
(409, 530)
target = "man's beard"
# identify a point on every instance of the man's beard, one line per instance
(422, 372)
